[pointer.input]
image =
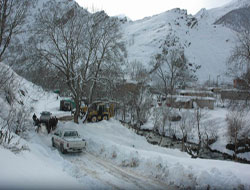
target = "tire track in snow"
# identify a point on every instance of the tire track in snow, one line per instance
(93, 173)
(132, 176)
(113, 176)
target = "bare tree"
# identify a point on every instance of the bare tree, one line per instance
(6, 77)
(13, 116)
(210, 132)
(197, 120)
(15, 122)
(237, 125)
(239, 60)
(79, 45)
(137, 72)
(185, 126)
(12, 18)
(141, 104)
(198, 115)
(171, 66)
(141, 98)
(8, 83)
(161, 119)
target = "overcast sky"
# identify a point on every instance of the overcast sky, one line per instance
(137, 9)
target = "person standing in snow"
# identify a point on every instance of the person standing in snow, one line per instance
(37, 123)
(34, 117)
(48, 125)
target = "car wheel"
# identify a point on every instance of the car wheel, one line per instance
(53, 143)
(93, 119)
(105, 117)
(63, 151)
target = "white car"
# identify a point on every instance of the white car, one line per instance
(68, 140)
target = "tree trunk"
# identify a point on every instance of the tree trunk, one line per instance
(77, 112)
(124, 113)
(199, 144)
(182, 146)
(161, 140)
(235, 146)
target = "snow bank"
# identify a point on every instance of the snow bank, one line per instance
(110, 140)
(39, 167)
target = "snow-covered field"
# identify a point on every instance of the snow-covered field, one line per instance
(39, 167)
(111, 141)
(115, 158)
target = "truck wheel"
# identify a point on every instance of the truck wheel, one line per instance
(93, 119)
(53, 143)
(62, 150)
(105, 117)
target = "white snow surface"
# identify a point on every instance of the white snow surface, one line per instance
(172, 166)
(113, 152)
(117, 158)
(209, 45)
(205, 44)
(40, 167)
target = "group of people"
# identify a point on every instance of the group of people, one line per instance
(50, 125)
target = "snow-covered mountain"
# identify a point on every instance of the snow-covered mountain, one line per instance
(207, 43)
(208, 37)
(237, 19)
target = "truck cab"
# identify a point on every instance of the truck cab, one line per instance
(68, 140)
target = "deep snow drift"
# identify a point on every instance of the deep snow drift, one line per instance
(112, 141)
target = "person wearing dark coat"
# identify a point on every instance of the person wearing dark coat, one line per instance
(48, 125)
(34, 117)
(56, 121)
(37, 123)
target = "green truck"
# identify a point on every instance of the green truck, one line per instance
(67, 105)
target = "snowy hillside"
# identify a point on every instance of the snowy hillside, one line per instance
(214, 14)
(237, 20)
(206, 44)
(115, 157)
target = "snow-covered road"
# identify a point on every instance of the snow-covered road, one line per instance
(105, 175)
(93, 172)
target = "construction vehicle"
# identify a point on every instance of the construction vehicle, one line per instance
(67, 105)
(98, 111)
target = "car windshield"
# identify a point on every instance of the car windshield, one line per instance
(45, 113)
(70, 134)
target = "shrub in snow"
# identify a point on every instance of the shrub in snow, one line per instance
(185, 126)
(114, 154)
(5, 136)
(132, 162)
(14, 113)
(238, 127)
(9, 140)
(199, 128)
(160, 119)
(210, 132)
